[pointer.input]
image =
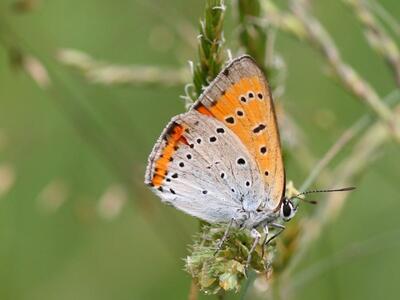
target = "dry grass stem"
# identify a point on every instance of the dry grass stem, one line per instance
(355, 250)
(349, 77)
(341, 142)
(383, 14)
(377, 36)
(306, 27)
(193, 291)
(109, 74)
(346, 172)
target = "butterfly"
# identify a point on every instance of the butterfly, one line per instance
(221, 161)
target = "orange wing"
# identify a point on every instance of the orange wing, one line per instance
(240, 98)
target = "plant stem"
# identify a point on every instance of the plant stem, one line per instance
(251, 35)
(377, 37)
(348, 76)
(304, 26)
(361, 156)
(193, 292)
(380, 11)
(343, 140)
(211, 42)
(210, 56)
(109, 74)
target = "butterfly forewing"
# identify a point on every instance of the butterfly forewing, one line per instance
(240, 98)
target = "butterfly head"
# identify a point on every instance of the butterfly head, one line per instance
(287, 210)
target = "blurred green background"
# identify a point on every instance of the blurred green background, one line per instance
(76, 221)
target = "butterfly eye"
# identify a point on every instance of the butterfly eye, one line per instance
(287, 210)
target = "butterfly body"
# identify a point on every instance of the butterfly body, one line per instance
(221, 160)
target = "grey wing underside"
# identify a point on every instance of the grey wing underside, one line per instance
(211, 174)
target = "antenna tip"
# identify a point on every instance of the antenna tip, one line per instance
(350, 188)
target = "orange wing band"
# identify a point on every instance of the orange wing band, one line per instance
(173, 138)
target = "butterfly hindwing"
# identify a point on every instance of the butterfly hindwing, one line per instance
(201, 167)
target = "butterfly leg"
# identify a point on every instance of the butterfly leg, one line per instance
(276, 225)
(256, 236)
(224, 237)
(266, 232)
(268, 240)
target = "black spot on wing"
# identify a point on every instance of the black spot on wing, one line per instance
(263, 150)
(230, 120)
(241, 161)
(259, 128)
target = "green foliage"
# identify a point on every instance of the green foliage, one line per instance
(224, 270)
(210, 49)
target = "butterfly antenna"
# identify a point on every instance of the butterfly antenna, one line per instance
(321, 191)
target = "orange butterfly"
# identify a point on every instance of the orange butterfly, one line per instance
(221, 161)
